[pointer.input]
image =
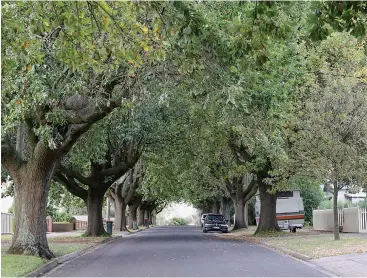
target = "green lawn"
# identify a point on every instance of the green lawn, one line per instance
(77, 238)
(314, 244)
(63, 249)
(6, 238)
(19, 265)
(321, 246)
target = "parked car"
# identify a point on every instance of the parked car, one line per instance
(215, 222)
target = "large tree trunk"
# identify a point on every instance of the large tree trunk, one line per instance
(245, 214)
(132, 214)
(150, 218)
(141, 217)
(31, 186)
(239, 204)
(336, 218)
(120, 217)
(123, 219)
(215, 207)
(154, 220)
(268, 218)
(239, 221)
(225, 208)
(146, 218)
(94, 205)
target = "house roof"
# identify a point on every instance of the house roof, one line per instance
(357, 195)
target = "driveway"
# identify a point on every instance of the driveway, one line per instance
(182, 251)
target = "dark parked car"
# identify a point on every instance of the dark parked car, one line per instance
(215, 222)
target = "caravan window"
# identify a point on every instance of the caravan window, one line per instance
(285, 194)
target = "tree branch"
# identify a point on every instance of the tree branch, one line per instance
(81, 121)
(249, 188)
(115, 171)
(71, 185)
(75, 175)
(111, 194)
(229, 186)
(251, 193)
(119, 192)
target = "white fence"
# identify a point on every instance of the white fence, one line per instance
(352, 220)
(6, 223)
(323, 220)
(362, 220)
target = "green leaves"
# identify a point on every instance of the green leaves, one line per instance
(340, 16)
(195, 72)
(333, 124)
(43, 39)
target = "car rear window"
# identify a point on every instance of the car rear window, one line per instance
(215, 217)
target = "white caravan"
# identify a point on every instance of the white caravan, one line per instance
(290, 210)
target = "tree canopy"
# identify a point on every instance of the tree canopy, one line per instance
(213, 100)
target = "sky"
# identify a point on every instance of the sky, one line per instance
(180, 210)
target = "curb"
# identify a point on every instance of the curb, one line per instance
(128, 233)
(269, 246)
(55, 262)
(287, 251)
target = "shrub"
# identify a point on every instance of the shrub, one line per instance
(328, 204)
(11, 210)
(62, 217)
(72, 220)
(178, 221)
(312, 196)
(363, 204)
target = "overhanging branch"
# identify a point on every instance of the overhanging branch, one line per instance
(75, 175)
(250, 188)
(252, 192)
(71, 185)
(115, 171)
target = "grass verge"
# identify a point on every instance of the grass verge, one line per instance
(76, 239)
(6, 239)
(314, 244)
(20, 265)
(320, 246)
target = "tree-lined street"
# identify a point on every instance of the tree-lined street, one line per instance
(143, 104)
(183, 251)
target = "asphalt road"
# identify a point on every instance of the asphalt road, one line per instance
(182, 251)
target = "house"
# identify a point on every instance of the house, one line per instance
(344, 195)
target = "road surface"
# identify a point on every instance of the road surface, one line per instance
(182, 251)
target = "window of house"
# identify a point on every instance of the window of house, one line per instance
(285, 194)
